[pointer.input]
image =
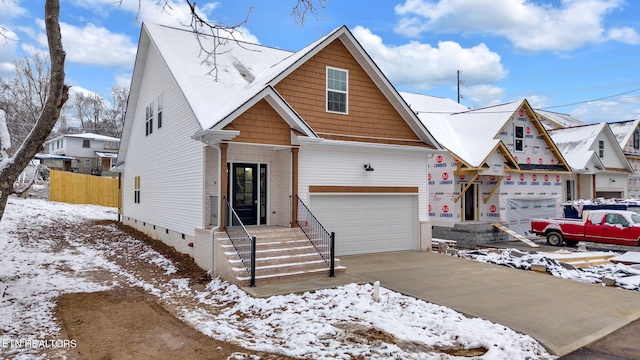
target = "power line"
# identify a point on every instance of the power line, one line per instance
(586, 101)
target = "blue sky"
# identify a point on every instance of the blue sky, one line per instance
(579, 57)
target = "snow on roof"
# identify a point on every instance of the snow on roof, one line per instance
(576, 138)
(623, 130)
(554, 120)
(241, 64)
(110, 155)
(470, 134)
(427, 105)
(90, 136)
(54, 157)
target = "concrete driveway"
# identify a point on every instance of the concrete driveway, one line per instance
(561, 314)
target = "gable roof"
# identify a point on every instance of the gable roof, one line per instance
(553, 120)
(472, 135)
(623, 130)
(89, 136)
(242, 75)
(578, 146)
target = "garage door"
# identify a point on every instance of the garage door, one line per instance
(368, 223)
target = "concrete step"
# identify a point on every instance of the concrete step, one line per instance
(291, 276)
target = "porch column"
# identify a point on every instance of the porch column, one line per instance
(294, 186)
(578, 193)
(593, 181)
(224, 179)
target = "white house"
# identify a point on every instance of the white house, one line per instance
(599, 167)
(261, 127)
(86, 153)
(628, 136)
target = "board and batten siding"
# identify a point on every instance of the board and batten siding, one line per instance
(170, 164)
(343, 165)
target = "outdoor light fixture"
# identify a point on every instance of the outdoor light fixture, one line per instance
(367, 167)
(612, 180)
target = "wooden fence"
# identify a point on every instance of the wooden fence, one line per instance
(75, 188)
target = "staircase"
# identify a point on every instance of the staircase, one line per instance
(282, 254)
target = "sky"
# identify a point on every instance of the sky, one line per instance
(577, 57)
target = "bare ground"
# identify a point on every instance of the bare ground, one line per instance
(128, 322)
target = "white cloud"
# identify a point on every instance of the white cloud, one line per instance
(93, 45)
(422, 66)
(482, 95)
(8, 53)
(531, 26)
(608, 111)
(11, 10)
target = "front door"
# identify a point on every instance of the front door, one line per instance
(245, 192)
(469, 203)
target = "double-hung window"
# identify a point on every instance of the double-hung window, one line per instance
(601, 148)
(149, 119)
(136, 189)
(337, 90)
(636, 139)
(518, 138)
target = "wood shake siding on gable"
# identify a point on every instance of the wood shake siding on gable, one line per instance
(261, 125)
(370, 118)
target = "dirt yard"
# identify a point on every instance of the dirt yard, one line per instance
(129, 323)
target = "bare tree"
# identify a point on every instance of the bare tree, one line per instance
(14, 158)
(88, 110)
(11, 166)
(114, 115)
(23, 96)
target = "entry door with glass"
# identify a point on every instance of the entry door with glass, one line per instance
(249, 195)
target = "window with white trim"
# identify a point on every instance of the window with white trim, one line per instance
(87, 162)
(636, 139)
(337, 90)
(136, 189)
(149, 119)
(601, 148)
(160, 106)
(518, 138)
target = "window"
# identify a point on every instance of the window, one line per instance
(160, 105)
(601, 149)
(87, 162)
(337, 90)
(136, 189)
(86, 143)
(149, 119)
(518, 137)
(636, 139)
(113, 162)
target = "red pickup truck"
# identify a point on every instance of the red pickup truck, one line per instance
(604, 226)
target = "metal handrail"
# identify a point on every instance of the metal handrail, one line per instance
(322, 240)
(244, 243)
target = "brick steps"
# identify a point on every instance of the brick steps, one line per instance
(282, 254)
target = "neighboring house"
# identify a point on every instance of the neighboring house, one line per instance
(553, 120)
(600, 168)
(85, 153)
(502, 166)
(628, 136)
(261, 127)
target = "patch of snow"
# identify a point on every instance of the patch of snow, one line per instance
(314, 325)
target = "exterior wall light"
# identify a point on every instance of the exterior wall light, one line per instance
(367, 167)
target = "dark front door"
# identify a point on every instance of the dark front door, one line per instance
(245, 192)
(469, 203)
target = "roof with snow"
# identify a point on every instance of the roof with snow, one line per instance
(623, 130)
(243, 74)
(577, 145)
(89, 136)
(553, 120)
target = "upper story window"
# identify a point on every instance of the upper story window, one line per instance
(636, 139)
(149, 119)
(337, 90)
(601, 148)
(518, 138)
(160, 106)
(86, 143)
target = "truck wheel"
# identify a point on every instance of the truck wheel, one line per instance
(554, 238)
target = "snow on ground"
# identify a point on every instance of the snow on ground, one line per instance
(623, 274)
(327, 324)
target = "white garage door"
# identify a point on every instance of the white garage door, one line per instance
(368, 223)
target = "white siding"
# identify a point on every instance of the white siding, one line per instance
(169, 163)
(339, 165)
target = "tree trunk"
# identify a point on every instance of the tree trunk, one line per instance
(11, 168)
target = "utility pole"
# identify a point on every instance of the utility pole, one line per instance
(460, 82)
